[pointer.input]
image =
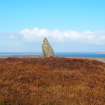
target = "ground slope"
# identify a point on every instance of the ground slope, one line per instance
(52, 81)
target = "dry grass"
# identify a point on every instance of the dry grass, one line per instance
(51, 81)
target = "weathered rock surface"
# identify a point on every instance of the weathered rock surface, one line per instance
(47, 49)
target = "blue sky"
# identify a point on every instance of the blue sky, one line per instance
(70, 25)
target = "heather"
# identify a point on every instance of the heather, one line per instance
(52, 81)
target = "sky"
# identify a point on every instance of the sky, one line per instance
(69, 25)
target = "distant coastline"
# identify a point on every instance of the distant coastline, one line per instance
(100, 52)
(58, 54)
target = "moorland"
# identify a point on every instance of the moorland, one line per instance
(52, 81)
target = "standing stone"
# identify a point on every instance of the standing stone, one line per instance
(47, 49)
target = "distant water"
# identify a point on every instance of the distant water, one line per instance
(32, 54)
(82, 55)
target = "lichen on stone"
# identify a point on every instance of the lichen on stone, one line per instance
(47, 48)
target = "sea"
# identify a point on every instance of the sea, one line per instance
(58, 54)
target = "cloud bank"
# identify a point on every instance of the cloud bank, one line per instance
(86, 37)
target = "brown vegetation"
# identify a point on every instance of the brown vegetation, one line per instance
(51, 81)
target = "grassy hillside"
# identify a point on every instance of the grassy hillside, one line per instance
(51, 81)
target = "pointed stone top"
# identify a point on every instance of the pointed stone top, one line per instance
(45, 40)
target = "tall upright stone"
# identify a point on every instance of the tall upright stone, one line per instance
(47, 49)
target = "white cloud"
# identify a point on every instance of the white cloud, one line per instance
(89, 37)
